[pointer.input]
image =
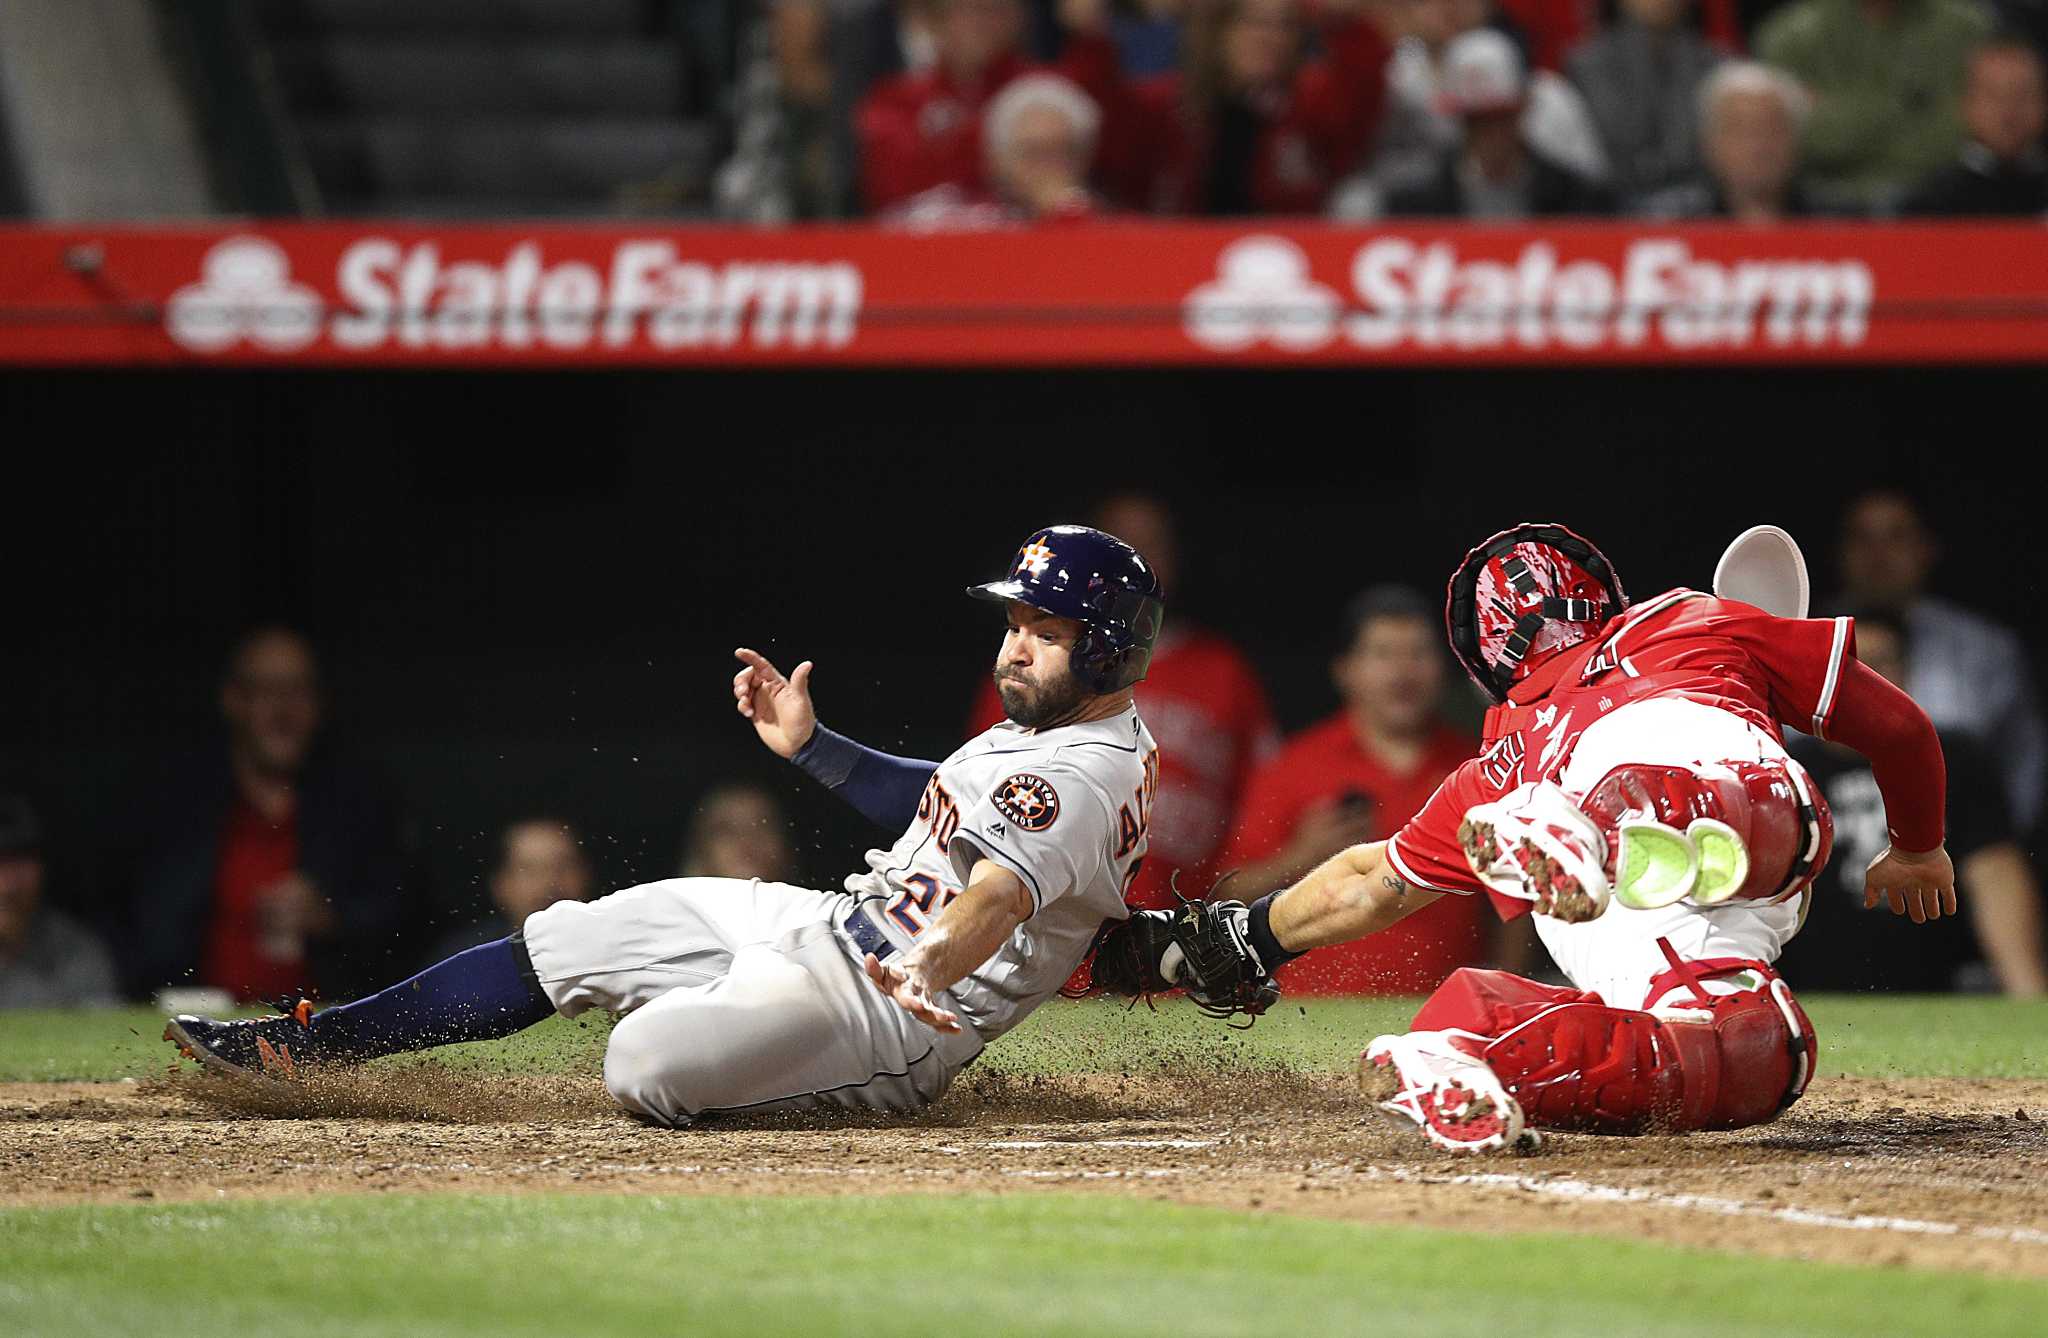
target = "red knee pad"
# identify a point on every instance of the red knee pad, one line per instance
(1717, 1062)
(1745, 1056)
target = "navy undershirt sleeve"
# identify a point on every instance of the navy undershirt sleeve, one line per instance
(883, 788)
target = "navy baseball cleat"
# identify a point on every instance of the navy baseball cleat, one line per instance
(251, 1046)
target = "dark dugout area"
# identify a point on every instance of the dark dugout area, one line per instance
(525, 586)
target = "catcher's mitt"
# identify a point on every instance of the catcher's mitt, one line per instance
(1202, 948)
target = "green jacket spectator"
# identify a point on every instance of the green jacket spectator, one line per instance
(1886, 76)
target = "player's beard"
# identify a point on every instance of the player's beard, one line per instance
(1033, 705)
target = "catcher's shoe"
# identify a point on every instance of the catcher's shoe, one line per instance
(1534, 844)
(1454, 1099)
(273, 1047)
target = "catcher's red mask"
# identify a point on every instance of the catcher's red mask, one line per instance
(1524, 595)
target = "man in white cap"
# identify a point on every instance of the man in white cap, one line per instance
(1495, 172)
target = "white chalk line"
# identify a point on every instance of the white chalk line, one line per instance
(1560, 1187)
(1586, 1191)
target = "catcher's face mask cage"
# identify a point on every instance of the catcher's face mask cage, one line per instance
(1524, 595)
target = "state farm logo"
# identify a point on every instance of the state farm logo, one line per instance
(245, 291)
(1262, 290)
(396, 295)
(1428, 297)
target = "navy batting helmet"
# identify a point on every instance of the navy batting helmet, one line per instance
(1101, 582)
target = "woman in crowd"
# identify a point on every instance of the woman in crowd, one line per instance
(1250, 123)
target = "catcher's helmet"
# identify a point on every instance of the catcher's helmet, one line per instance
(1101, 582)
(1522, 596)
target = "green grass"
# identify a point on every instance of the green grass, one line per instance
(907, 1266)
(1875, 1035)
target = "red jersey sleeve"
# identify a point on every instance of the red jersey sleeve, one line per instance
(1426, 850)
(1801, 660)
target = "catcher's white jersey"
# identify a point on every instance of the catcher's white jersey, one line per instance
(1064, 809)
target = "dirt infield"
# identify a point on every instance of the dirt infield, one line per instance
(1942, 1173)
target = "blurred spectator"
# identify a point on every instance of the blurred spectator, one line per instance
(1552, 29)
(1204, 705)
(540, 862)
(1968, 673)
(1357, 777)
(1250, 124)
(2002, 169)
(270, 868)
(739, 831)
(1843, 946)
(1495, 172)
(920, 130)
(1750, 119)
(1885, 76)
(1641, 80)
(1419, 130)
(47, 959)
(790, 163)
(1148, 34)
(1039, 137)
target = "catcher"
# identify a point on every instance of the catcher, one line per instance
(1633, 792)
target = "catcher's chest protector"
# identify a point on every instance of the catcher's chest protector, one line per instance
(1712, 1061)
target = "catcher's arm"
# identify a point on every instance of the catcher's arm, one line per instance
(1353, 893)
(1224, 953)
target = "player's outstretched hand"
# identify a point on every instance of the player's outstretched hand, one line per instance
(910, 995)
(1921, 885)
(779, 707)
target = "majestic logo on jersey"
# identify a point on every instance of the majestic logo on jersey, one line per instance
(1027, 800)
(1035, 557)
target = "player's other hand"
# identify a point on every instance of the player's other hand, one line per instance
(910, 994)
(1922, 885)
(779, 707)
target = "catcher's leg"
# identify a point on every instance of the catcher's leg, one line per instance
(1435, 1077)
(1724, 1045)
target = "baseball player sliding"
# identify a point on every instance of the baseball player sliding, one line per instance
(1633, 791)
(746, 996)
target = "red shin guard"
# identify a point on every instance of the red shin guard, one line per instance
(1718, 1061)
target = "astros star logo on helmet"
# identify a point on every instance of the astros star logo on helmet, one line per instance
(1035, 557)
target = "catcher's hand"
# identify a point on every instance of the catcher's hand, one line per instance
(1202, 948)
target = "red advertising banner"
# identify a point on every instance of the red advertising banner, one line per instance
(367, 293)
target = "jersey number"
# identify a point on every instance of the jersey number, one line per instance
(922, 897)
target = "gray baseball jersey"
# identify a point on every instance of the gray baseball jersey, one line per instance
(1064, 809)
(748, 996)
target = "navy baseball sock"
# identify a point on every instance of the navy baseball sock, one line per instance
(487, 992)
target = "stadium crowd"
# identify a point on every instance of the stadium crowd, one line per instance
(271, 865)
(939, 114)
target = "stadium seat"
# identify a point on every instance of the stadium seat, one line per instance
(496, 108)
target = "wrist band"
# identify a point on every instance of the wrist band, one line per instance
(1259, 928)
